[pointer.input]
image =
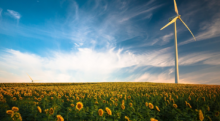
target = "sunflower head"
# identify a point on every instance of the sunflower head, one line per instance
(201, 117)
(153, 119)
(217, 114)
(39, 109)
(157, 109)
(72, 105)
(146, 103)
(79, 106)
(122, 107)
(9, 112)
(129, 97)
(127, 118)
(60, 118)
(151, 106)
(100, 111)
(108, 111)
(175, 105)
(14, 98)
(15, 109)
(51, 111)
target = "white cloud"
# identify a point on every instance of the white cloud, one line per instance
(14, 14)
(206, 58)
(88, 65)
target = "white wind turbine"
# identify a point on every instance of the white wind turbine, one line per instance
(173, 20)
(32, 79)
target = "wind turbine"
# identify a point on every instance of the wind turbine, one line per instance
(32, 79)
(173, 20)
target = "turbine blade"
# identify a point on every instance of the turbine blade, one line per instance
(187, 28)
(30, 77)
(169, 23)
(175, 6)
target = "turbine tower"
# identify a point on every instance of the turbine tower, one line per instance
(173, 20)
(32, 79)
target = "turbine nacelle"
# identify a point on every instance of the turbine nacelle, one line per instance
(171, 18)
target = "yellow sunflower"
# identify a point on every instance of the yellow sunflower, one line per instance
(60, 118)
(151, 106)
(39, 109)
(15, 109)
(201, 117)
(122, 106)
(79, 106)
(108, 111)
(100, 111)
(175, 105)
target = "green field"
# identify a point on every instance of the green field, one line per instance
(119, 101)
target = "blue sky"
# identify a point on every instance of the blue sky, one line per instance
(108, 41)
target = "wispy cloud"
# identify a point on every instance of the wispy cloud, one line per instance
(208, 30)
(138, 11)
(14, 14)
(88, 65)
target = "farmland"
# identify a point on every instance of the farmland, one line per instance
(127, 101)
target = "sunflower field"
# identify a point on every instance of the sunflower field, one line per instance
(116, 101)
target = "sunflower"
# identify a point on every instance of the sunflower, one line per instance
(51, 111)
(189, 98)
(216, 114)
(108, 111)
(123, 106)
(100, 111)
(9, 112)
(153, 119)
(151, 106)
(201, 117)
(39, 99)
(146, 104)
(60, 118)
(104, 101)
(175, 105)
(46, 111)
(15, 109)
(77, 98)
(127, 118)
(14, 98)
(51, 98)
(79, 105)
(157, 109)
(208, 108)
(129, 97)
(123, 102)
(39, 109)
(130, 104)
(72, 105)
